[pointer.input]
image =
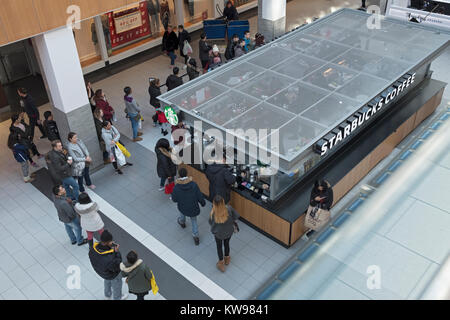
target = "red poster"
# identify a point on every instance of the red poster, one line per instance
(129, 25)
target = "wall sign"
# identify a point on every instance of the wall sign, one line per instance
(329, 141)
(129, 25)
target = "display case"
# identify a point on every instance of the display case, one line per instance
(306, 87)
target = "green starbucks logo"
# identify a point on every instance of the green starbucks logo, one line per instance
(171, 115)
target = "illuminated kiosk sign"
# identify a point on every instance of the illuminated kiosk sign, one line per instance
(340, 133)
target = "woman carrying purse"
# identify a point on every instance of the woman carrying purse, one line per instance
(81, 161)
(133, 112)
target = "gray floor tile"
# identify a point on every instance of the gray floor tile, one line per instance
(38, 273)
(7, 262)
(34, 292)
(20, 278)
(13, 294)
(24, 259)
(5, 282)
(52, 288)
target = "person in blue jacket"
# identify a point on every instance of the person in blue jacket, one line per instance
(187, 195)
(21, 154)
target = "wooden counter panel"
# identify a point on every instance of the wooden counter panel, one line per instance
(261, 218)
(428, 108)
(298, 229)
(3, 36)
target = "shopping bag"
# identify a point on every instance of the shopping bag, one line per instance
(187, 49)
(161, 117)
(169, 188)
(155, 288)
(316, 218)
(125, 152)
(120, 158)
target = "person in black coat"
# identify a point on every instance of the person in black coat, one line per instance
(170, 44)
(220, 181)
(229, 52)
(106, 259)
(183, 35)
(23, 133)
(204, 50)
(230, 12)
(27, 102)
(154, 91)
(192, 69)
(165, 167)
(51, 129)
(187, 195)
(174, 80)
(321, 195)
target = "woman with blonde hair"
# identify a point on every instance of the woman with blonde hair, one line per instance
(223, 223)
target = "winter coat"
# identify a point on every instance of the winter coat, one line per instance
(53, 175)
(229, 51)
(138, 276)
(192, 73)
(154, 93)
(131, 105)
(66, 212)
(220, 181)
(89, 216)
(109, 136)
(173, 81)
(106, 108)
(98, 127)
(30, 107)
(230, 13)
(224, 230)
(182, 36)
(105, 261)
(214, 61)
(203, 49)
(23, 136)
(165, 166)
(51, 129)
(325, 203)
(20, 152)
(238, 51)
(78, 152)
(60, 166)
(187, 195)
(170, 41)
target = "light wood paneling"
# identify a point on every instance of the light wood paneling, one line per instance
(3, 35)
(298, 229)
(429, 108)
(19, 19)
(52, 13)
(198, 177)
(91, 8)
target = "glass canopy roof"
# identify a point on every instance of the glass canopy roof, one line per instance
(308, 81)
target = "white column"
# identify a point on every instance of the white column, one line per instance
(61, 69)
(101, 38)
(271, 18)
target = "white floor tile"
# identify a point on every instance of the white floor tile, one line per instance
(13, 294)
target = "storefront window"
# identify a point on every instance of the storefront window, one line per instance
(87, 43)
(197, 11)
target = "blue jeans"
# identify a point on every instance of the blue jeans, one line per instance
(134, 124)
(73, 230)
(182, 219)
(114, 287)
(172, 56)
(86, 177)
(72, 188)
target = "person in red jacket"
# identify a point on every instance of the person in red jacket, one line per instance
(102, 103)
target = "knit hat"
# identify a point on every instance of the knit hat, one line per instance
(215, 48)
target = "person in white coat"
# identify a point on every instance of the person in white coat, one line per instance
(90, 219)
(111, 136)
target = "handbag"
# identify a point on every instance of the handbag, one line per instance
(236, 227)
(120, 158)
(168, 189)
(187, 49)
(316, 218)
(125, 152)
(153, 284)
